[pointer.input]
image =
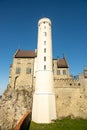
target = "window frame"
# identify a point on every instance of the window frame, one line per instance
(18, 70)
(28, 70)
(44, 58)
(44, 67)
(44, 50)
(58, 72)
(64, 72)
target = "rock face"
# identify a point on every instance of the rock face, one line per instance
(13, 105)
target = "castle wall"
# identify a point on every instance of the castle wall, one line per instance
(71, 99)
(71, 95)
(23, 76)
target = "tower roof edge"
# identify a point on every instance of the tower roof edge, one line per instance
(43, 20)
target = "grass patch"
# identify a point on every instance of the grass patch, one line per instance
(65, 124)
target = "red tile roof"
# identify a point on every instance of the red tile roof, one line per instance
(62, 63)
(25, 54)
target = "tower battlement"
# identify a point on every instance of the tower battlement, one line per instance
(67, 83)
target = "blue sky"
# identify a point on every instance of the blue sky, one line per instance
(18, 30)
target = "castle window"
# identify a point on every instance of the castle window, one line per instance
(44, 50)
(28, 70)
(18, 70)
(78, 84)
(44, 58)
(45, 33)
(44, 42)
(58, 72)
(44, 67)
(64, 72)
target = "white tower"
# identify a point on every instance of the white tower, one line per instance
(44, 108)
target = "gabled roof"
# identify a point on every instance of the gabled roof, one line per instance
(62, 63)
(25, 54)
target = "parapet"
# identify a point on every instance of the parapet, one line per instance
(67, 83)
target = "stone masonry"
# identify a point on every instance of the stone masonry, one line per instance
(71, 94)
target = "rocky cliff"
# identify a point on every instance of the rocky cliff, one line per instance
(13, 105)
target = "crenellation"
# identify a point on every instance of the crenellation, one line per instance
(72, 83)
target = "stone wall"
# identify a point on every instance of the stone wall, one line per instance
(24, 77)
(13, 105)
(70, 94)
(71, 98)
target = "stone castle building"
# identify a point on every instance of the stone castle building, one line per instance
(70, 92)
(22, 70)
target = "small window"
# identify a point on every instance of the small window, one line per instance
(28, 70)
(44, 67)
(44, 58)
(58, 72)
(45, 33)
(44, 42)
(44, 50)
(70, 84)
(64, 72)
(18, 70)
(79, 84)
